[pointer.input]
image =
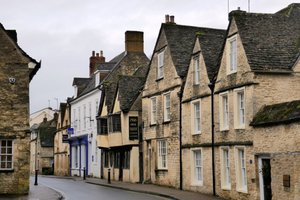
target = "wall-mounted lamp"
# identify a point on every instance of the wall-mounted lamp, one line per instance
(11, 80)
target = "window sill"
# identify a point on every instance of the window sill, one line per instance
(242, 190)
(7, 170)
(159, 79)
(195, 134)
(161, 170)
(166, 122)
(152, 125)
(197, 184)
(226, 188)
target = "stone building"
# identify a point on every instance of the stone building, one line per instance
(120, 119)
(43, 141)
(61, 143)
(256, 153)
(196, 110)
(16, 71)
(162, 102)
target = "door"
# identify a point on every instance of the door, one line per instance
(149, 152)
(121, 165)
(265, 178)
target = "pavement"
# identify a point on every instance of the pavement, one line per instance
(42, 192)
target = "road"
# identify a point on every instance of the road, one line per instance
(79, 190)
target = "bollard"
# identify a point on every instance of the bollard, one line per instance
(36, 177)
(108, 179)
(84, 173)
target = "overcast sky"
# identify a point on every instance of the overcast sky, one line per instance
(63, 33)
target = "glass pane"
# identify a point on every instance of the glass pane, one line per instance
(9, 150)
(2, 164)
(9, 158)
(9, 165)
(9, 143)
(3, 150)
(3, 143)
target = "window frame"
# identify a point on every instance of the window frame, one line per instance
(194, 175)
(196, 69)
(224, 126)
(239, 122)
(7, 154)
(195, 131)
(160, 64)
(225, 169)
(167, 108)
(153, 111)
(162, 154)
(241, 169)
(232, 55)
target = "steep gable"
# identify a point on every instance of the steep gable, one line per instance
(271, 41)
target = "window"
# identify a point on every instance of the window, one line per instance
(239, 108)
(117, 160)
(153, 110)
(167, 107)
(90, 114)
(225, 169)
(241, 170)
(162, 154)
(84, 116)
(79, 119)
(115, 123)
(196, 120)
(224, 112)
(196, 70)
(106, 158)
(6, 154)
(160, 65)
(102, 126)
(127, 159)
(197, 167)
(232, 54)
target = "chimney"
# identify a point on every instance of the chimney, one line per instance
(95, 60)
(134, 41)
(170, 19)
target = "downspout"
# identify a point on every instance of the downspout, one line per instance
(180, 94)
(211, 86)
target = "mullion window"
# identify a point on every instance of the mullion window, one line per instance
(6, 154)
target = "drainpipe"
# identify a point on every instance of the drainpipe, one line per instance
(180, 137)
(211, 86)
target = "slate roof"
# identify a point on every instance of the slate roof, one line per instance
(129, 88)
(62, 109)
(271, 41)
(11, 52)
(126, 63)
(81, 84)
(47, 131)
(286, 112)
(181, 40)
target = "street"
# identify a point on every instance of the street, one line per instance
(79, 190)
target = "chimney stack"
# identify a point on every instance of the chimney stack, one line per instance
(170, 19)
(134, 41)
(95, 60)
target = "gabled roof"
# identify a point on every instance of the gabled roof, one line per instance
(129, 63)
(271, 41)
(11, 52)
(81, 84)
(211, 42)
(62, 110)
(181, 40)
(47, 131)
(286, 112)
(129, 88)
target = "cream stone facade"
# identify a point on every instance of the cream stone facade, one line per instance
(61, 145)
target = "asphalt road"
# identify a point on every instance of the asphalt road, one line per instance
(79, 190)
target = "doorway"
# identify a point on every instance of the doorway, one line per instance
(265, 178)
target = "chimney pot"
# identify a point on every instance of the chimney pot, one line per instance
(167, 17)
(172, 18)
(97, 54)
(101, 53)
(93, 53)
(239, 8)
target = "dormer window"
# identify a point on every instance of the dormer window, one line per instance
(160, 65)
(75, 91)
(232, 55)
(196, 70)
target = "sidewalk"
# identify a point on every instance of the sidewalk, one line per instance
(153, 189)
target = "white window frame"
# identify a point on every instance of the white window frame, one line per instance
(162, 154)
(160, 64)
(197, 167)
(239, 111)
(241, 169)
(232, 55)
(167, 107)
(195, 117)
(7, 153)
(225, 168)
(224, 111)
(196, 63)
(153, 110)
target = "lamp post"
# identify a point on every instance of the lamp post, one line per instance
(211, 86)
(35, 163)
